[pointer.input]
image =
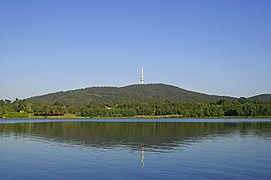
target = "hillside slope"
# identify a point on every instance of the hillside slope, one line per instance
(261, 97)
(147, 92)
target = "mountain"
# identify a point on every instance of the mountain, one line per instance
(261, 97)
(137, 92)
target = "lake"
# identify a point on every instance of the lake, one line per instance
(135, 149)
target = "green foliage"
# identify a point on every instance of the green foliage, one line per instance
(261, 98)
(17, 115)
(137, 93)
(2, 112)
(136, 100)
(2, 102)
(97, 112)
(213, 111)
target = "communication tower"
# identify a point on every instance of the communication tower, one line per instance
(142, 78)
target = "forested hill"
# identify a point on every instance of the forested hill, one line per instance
(262, 97)
(142, 93)
(136, 100)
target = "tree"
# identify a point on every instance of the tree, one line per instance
(242, 100)
(2, 111)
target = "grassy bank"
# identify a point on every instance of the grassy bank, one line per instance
(31, 116)
(74, 116)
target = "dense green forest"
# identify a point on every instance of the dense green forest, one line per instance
(241, 107)
(136, 100)
(136, 92)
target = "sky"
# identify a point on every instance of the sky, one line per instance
(215, 47)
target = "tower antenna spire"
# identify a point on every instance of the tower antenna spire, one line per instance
(142, 78)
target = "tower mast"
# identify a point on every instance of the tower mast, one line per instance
(142, 78)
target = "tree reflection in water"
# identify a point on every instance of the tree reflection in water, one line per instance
(142, 156)
(147, 136)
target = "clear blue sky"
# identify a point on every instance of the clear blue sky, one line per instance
(218, 47)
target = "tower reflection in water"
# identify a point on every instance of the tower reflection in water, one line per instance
(142, 156)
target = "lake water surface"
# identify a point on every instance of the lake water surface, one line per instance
(135, 149)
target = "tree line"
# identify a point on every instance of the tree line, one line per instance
(242, 107)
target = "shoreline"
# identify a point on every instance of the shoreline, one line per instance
(73, 116)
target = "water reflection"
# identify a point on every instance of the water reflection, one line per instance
(150, 136)
(142, 156)
(135, 150)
